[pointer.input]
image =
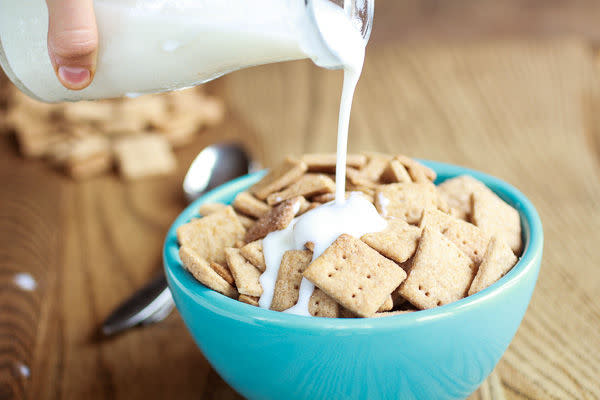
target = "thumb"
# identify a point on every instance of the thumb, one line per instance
(72, 41)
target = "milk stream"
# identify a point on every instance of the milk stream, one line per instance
(355, 216)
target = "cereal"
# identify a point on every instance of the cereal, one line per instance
(418, 172)
(397, 242)
(425, 257)
(278, 178)
(355, 275)
(395, 172)
(375, 166)
(387, 305)
(144, 155)
(406, 200)
(278, 218)
(211, 208)
(495, 217)
(326, 162)
(321, 305)
(253, 301)
(247, 204)
(209, 236)
(202, 271)
(308, 185)
(253, 252)
(245, 274)
(497, 261)
(469, 238)
(457, 194)
(441, 272)
(223, 271)
(287, 286)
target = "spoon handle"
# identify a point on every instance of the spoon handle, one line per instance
(152, 303)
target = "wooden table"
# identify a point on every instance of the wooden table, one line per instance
(526, 112)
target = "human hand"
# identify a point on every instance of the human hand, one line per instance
(72, 41)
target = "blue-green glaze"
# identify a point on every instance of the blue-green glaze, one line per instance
(443, 353)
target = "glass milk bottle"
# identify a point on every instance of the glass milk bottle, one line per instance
(148, 46)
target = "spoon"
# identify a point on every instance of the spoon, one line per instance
(152, 303)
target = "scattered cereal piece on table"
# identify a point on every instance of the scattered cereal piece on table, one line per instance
(144, 155)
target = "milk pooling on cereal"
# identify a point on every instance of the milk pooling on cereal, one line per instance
(355, 216)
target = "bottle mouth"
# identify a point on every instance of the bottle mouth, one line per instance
(359, 13)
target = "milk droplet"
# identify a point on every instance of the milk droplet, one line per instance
(25, 281)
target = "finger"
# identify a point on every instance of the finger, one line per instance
(72, 41)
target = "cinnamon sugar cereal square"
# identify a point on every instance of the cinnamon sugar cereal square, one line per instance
(497, 261)
(247, 204)
(355, 275)
(223, 271)
(395, 172)
(208, 236)
(287, 285)
(326, 162)
(140, 156)
(418, 172)
(398, 241)
(211, 208)
(245, 274)
(376, 164)
(308, 185)
(469, 238)
(406, 200)
(495, 217)
(252, 300)
(441, 272)
(278, 218)
(387, 305)
(202, 271)
(457, 192)
(253, 252)
(287, 172)
(321, 305)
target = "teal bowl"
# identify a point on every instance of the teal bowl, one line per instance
(442, 353)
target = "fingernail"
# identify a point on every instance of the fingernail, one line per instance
(74, 77)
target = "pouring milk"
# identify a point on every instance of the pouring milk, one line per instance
(355, 216)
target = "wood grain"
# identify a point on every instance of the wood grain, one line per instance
(521, 110)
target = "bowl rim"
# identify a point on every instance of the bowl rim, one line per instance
(211, 300)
